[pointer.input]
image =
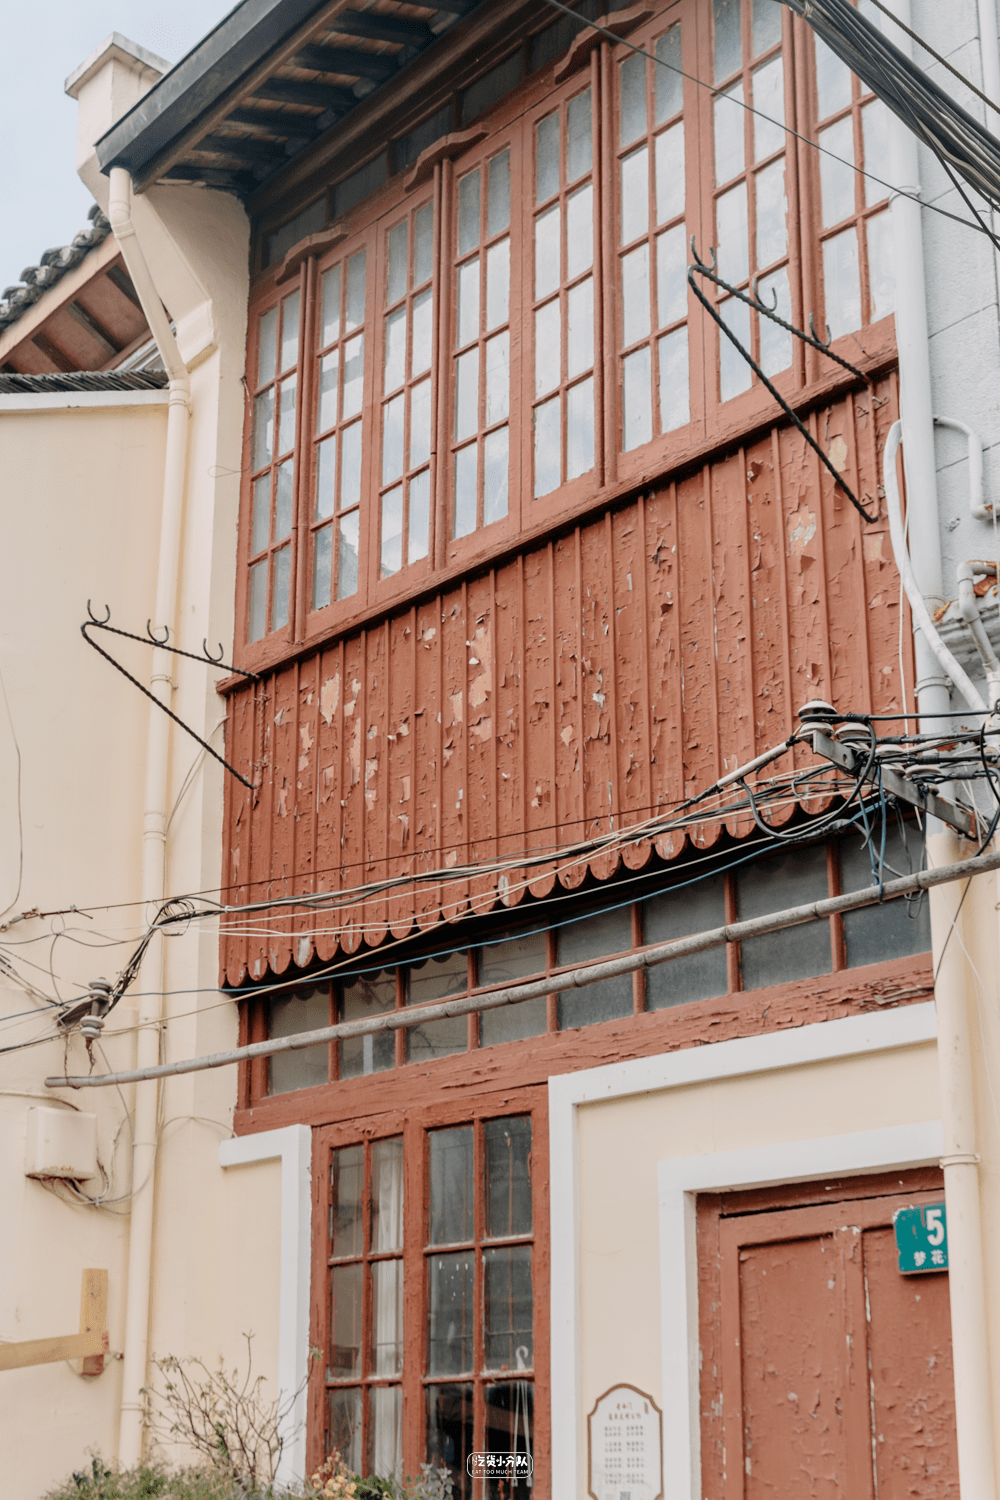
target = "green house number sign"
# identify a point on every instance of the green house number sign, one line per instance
(921, 1239)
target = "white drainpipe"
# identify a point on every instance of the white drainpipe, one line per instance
(973, 1405)
(154, 840)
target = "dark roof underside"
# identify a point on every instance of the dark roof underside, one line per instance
(265, 84)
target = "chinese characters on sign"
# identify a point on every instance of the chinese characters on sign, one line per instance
(921, 1238)
(499, 1465)
(625, 1446)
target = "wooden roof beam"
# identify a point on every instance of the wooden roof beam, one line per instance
(246, 148)
(347, 61)
(379, 28)
(301, 126)
(298, 91)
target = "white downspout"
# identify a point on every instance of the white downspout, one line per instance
(960, 1162)
(137, 1295)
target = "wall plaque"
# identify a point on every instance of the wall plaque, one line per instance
(625, 1446)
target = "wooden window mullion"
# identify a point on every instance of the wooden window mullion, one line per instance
(447, 290)
(301, 511)
(607, 257)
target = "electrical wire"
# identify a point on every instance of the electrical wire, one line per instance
(936, 55)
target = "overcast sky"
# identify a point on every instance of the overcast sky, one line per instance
(42, 201)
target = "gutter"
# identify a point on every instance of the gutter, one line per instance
(154, 825)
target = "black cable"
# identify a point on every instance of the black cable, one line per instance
(936, 55)
(996, 795)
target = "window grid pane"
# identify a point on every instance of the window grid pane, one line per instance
(563, 292)
(481, 356)
(653, 257)
(334, 512)
(406, 441)
(272, 448)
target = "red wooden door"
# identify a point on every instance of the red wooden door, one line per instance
(835, 1370)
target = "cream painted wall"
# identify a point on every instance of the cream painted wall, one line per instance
(622, 1140)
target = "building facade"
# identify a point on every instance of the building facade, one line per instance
(519, 558)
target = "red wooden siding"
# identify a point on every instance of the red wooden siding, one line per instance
(612, 670)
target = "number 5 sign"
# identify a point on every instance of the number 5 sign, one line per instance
(921, 1239)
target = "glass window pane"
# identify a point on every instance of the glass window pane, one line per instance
(423, 311)
(354, 375)
(547, 157)
(322, 567)
(772, 213)
(770, 884)
(392, 532)
(497, 378)
(599, 935)
(347, 1178)
(833, 81)
(670, 173)
(497, 285)
(420, 424)
(263, 429)
(423, 244)
(395, 350)
(669, 83)
(303, 1010)
(580, 231)
(775, 341)
(508, 1176)
(387, 1317)
(449, 1313)
(451, 1158)
(635, 295)
(361, 997)
(355, 292)
(580, 332)
(769, 100)
(392, 438)
(344, 1425)
(512, 1023)
(468, 212)
(547, 256)
(896, 928)
(578, 146)
(730, 152)
(728, 39)
(677, 914)
(836, 171)
(387, 1198)
(330, 315)
(279, 594)
(510, 1428)
(635, 195)
(329, 376)
(468, 302)
(548, 448)
(286, 424)
(580, 429)
(881, 271)
(436, 978)
(632, 85)
(507, 1310)
(267, 346)
(256, 625)
(385, 1432)
(396, 279)
(465, 490)
(434, 1039)
(326, 469)
(548, 347)
(637, 416)
(498, 208)
(467, 394)
(418, 540)
(261, 523)
(766, 25)
(450, 1433)
(350, 465)
(875, 134)
(731, 233)
(290, 331)
(347, 556)
(283, 496)
(671, 276)
(516, 957)
(495, 475)
(735, 375)
(841, 286)
(675, 408)
(345, 1322)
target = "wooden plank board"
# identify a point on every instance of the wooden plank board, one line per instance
(83, 1346)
